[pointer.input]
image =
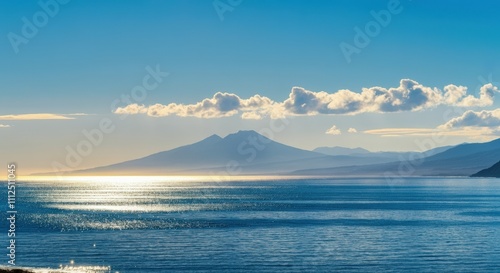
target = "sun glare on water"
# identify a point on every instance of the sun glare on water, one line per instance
(115, 179)
(130, 193)
(135, 180)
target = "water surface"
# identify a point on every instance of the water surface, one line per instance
(291, 225)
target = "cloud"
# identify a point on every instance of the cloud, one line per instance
(408, 96)
(402, 131)
(484, 125)
(42, 116)
(333, 131)
(352, 130)
(474, 133)
(78, 114)
(131, 109)
(474, 119)
(250, 115)
(220, 105)
(454, 94)
(486, 93)
(4, 126)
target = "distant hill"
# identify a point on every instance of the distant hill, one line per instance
(461, 160)
(493, 171)
(244, 152)
(244, 148)
(249, 153)
(388, 156)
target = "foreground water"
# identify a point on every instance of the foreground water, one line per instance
(301, 225)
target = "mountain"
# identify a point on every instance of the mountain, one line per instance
(244, 152)
(461, 160)
(249, 153)
(388, 156)
(244, 148)
(493, 171)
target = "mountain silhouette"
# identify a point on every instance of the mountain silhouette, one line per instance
(493, 171)
(249, 150)
(461, 160)
(250, 153)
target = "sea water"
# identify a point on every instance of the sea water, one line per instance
(163, 224)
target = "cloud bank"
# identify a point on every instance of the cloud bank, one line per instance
(474, 124)
(220, 105)
(474, 119)
(483, 133)
(408, 96)
(41, 116)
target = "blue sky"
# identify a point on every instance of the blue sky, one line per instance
(91, 52)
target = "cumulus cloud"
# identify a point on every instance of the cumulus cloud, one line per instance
(483, 125)
(474, 119)
(42, 116)
(250, 115)
(454, 94)
(352, 130)
(220, 105)
(408, 96)
(486, 93)
(333, 131)
(131, 109)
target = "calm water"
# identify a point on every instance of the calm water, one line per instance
(327, 225)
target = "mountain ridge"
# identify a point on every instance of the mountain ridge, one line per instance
(247, 152)
(460, 160)
(493, 171)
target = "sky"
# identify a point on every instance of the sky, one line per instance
(138, 77)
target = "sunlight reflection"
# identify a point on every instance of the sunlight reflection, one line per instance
(152, 179)
(68, 269)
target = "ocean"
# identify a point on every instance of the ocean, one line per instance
(175, 224)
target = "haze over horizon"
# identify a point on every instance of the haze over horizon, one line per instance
(151, 76)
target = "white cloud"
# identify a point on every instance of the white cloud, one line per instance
(482, 133)
(220, 105)
(474, 119)
(402, 131)
(408, 96)
(333, 131)
(484, 125)
(131, 109)
(250, 115)
(352, 130)
(4, 126)
(454, 94)
(78, 114)
(41, 116)
(486, 93)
